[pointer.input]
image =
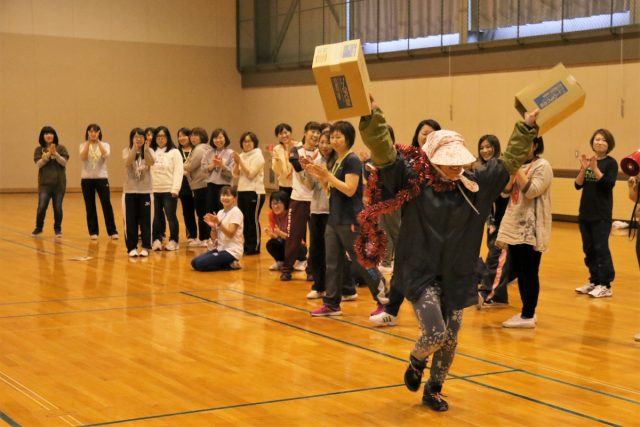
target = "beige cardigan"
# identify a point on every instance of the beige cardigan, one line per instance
(527, 219)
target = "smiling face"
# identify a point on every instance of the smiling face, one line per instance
(451, 172)
(227, 199)
(183, 140)
(277, 207)
(311, 138)
(486, 150)
(219, 141)
(422, 135)
(138, 141)
(600, 145)
(339, 142)
(247, 144)
(48, 138)
(161, 139)
(93, 135)
(284, 137)
(324, 145)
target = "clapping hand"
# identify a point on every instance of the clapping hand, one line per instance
(52, 150)
(320, 172)
(211, 220)
(584, 161)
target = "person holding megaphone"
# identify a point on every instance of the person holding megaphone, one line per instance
(596, 179)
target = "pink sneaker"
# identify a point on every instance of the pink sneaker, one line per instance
(379, 309)
(325, 310)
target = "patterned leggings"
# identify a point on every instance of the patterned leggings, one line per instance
(439, 334)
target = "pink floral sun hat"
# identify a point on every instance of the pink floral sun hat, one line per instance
(447, 148)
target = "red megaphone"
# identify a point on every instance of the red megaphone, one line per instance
(630, 165)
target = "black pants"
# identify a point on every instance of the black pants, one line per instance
(250, 204)
(525, 262)
(317, 260)
(89, 189)
(597, 256)
(165, 204)
(188, 209)
(495, 276)
(213, 198)
(200, 202)
(395, 300)
(338, 240)
(276, 247)
(137, 216)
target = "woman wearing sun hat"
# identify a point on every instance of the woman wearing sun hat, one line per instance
(444, 208)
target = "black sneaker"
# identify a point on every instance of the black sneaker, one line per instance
(413, 374)
(285, 277)
(432, 398)
(36, 231)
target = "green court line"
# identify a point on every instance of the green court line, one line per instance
(4, 417)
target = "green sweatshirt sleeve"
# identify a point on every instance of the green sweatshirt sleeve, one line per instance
(519, 145)
(375, 135)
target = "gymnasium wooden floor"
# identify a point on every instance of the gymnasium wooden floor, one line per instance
(149, 342)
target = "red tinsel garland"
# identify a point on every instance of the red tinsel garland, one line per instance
(371, 243)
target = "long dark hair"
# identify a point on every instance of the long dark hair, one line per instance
(170, 144)
(495, 143)
(132, 134)
(428, 122)
(47, 129)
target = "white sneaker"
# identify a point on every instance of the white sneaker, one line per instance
(385, 270)
(601, 291)
(586, 288)
(383, 319)
(637, 337)
(315, 295)
(172, 246)
(157, 245)
(94, 237)
(276, 267)
(133, 253)
(114, 236)
(300, 265)
(144, 252)
(351, 297)
(518, 322)
(194, 243)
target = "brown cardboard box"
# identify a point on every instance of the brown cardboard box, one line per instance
(556, 93)
(342, 79)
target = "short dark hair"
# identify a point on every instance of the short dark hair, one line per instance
(251, 135)
(313, 125)
(539, 143)
(215, 134)
(611, 141)
(170, 144)
(282, 126)
(280, 196)
(427, 122)
(229, 190)
(184, 131)
(47, 129)
(495, 143)
(346, 129)
(94, 127)
(202, 134)
(134, 132)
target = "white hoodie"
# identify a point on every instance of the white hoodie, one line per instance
(167, 171)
